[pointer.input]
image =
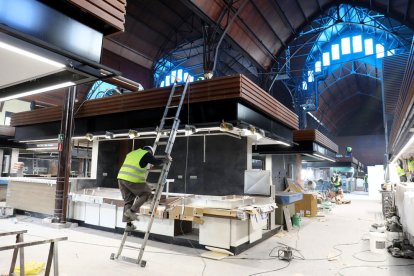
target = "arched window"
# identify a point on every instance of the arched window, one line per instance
(176, 75)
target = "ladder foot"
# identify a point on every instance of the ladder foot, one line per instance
(112, 256)
(143, 263)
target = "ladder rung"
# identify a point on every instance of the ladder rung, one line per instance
(155, 170)
(175, 96)
(166, 130)
(160, 156)
(170, 118)
(162, 143)
(172, 106)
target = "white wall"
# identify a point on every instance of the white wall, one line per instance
(14, 106)
(375, 179)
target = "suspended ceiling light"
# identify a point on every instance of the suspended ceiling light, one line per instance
(109, 135)
(89, 136)
(37, 91)
(133, 134)
(324, 157)
(404, 149)
(283, 143)
(28, 54)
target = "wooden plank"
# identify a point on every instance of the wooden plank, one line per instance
(108, 18)
(2, 234)
(286, 214)
(117, 5)
(271, 106)
(314, 136)
(30, 243)
(103, 5)
(231, 87)
(32, 197)
(219, 212)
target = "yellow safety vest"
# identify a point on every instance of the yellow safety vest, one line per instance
(336, 181)
(131, 171)
(400, 171)
(411, 166)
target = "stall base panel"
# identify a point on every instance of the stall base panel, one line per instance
(215, 232)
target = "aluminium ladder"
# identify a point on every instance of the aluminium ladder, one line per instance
(165, 138)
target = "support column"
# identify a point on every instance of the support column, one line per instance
(65, 152)
(94, 160)
(298, 172)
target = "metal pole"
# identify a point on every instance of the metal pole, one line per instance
(65, 149)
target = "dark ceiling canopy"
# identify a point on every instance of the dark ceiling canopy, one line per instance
(254, 45)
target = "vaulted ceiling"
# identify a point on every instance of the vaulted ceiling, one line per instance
(252, 45)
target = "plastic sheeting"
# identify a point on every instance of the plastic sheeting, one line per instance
(408, 218)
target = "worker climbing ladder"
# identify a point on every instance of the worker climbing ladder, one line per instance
(163, 145)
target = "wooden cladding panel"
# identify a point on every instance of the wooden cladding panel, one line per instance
(325, 141)
(110, 11)
(120, 6)
(254, 94)
(315, 136)
(231, 87)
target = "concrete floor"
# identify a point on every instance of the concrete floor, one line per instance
(327, 243)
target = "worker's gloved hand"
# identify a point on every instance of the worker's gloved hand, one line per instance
(169, 158)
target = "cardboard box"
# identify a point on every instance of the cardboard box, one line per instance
(308, 205)
(185, 212)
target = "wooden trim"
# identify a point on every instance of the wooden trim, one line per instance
(314, 136)
(103, 5)
(231, 87)
(101, 13)
(254, 94)
(117, 5)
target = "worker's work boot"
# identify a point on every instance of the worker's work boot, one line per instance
(131, 215)
(130, 227)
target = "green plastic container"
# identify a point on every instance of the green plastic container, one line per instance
(296, 220)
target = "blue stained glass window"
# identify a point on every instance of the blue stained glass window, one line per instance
(326, 59)
(357, 44)
(162, 84)
(318, 66)
(335, 51)
(379, 50)
(304, 85)
(369, 46)
(180, 75)
(390, 52)
(346, 45)
(310, 76)
(167, 81)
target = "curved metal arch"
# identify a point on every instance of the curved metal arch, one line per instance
(325, 11)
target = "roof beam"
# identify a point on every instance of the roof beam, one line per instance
(282, 15)
(267, 23)
(253, 33)
(407, 9)
(301, 11)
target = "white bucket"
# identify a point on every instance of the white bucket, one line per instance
(378, 242)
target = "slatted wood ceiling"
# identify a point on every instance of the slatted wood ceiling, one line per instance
(231, 87)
